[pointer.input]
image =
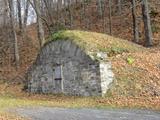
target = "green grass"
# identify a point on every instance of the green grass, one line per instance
(8, 102)
(13, 97)
(77, 102)
(61, 101)
(96, 42)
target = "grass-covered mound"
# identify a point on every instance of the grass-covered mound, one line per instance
(136, 71)
(96, 42)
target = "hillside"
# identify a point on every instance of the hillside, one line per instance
(137, 78)
(121, 28)
(29, 48)
(136, 68)
(87, 18)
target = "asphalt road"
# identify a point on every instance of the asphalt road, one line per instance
(47, 113)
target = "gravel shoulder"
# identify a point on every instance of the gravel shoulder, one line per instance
(47, 113)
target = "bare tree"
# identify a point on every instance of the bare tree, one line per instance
(100, 9)
(147, 23)
(19, 6)
(40, 28)
(16, 51)
(26, 14)
(110, 16)
(135, 22)
(49, 10)
(120, 7)
(70, 13)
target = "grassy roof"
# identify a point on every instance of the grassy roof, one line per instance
(96, 42)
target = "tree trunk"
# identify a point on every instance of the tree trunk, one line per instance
(100, 9)
(49, 10)
(16, 51)
(120, 7)
(135, 22)
(110, 17)
(41, 36)
(147, 23)
(19, 14)
(70, 13)
(25, 16)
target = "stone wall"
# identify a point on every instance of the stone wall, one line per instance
(106, 75)
(80, 74)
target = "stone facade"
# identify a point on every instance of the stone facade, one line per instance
(62, 67)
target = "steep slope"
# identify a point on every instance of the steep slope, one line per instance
(28, 48)
(141, 78)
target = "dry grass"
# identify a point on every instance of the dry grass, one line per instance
(96, 42)
(13, 97)
(9, 116)
(140, 79)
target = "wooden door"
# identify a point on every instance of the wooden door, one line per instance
(58, 79)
